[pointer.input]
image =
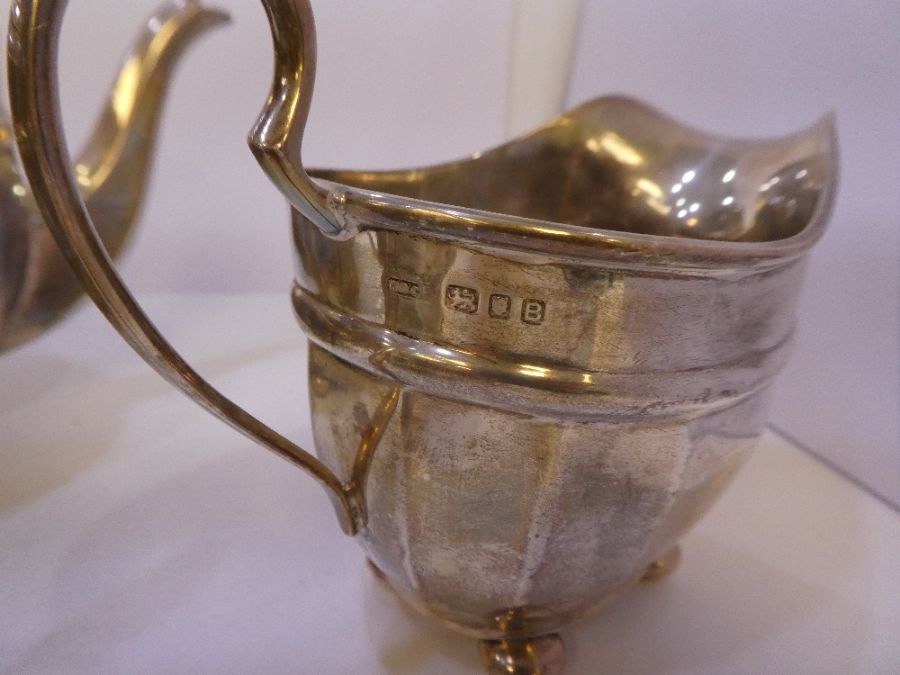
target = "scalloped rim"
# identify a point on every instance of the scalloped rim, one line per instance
(363, 209)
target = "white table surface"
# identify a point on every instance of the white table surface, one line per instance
(139, 535)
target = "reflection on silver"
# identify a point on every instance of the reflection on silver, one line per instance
(533, 370)
(36, 286)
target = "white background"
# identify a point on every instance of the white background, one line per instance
(405, 82)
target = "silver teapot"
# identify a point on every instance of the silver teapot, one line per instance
(37, 287)
(532, 370)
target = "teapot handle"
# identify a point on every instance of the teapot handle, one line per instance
(34, 100)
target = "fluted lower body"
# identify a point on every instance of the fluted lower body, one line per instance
(502, 524)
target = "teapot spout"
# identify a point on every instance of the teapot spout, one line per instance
(36, 285)
(113, 167)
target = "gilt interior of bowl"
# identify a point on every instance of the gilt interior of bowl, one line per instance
(617, 165)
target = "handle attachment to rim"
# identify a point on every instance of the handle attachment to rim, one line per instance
(277, 137)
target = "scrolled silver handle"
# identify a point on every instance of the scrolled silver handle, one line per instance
(34, 100)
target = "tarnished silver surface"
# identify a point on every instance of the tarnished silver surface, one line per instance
(532, 370)
(577, 332)
(36, 284)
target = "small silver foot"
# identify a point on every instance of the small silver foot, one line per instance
(544, 655)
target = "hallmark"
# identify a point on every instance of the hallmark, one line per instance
(500, 306)
(462, 299)
(533, 311)
(404, 288)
